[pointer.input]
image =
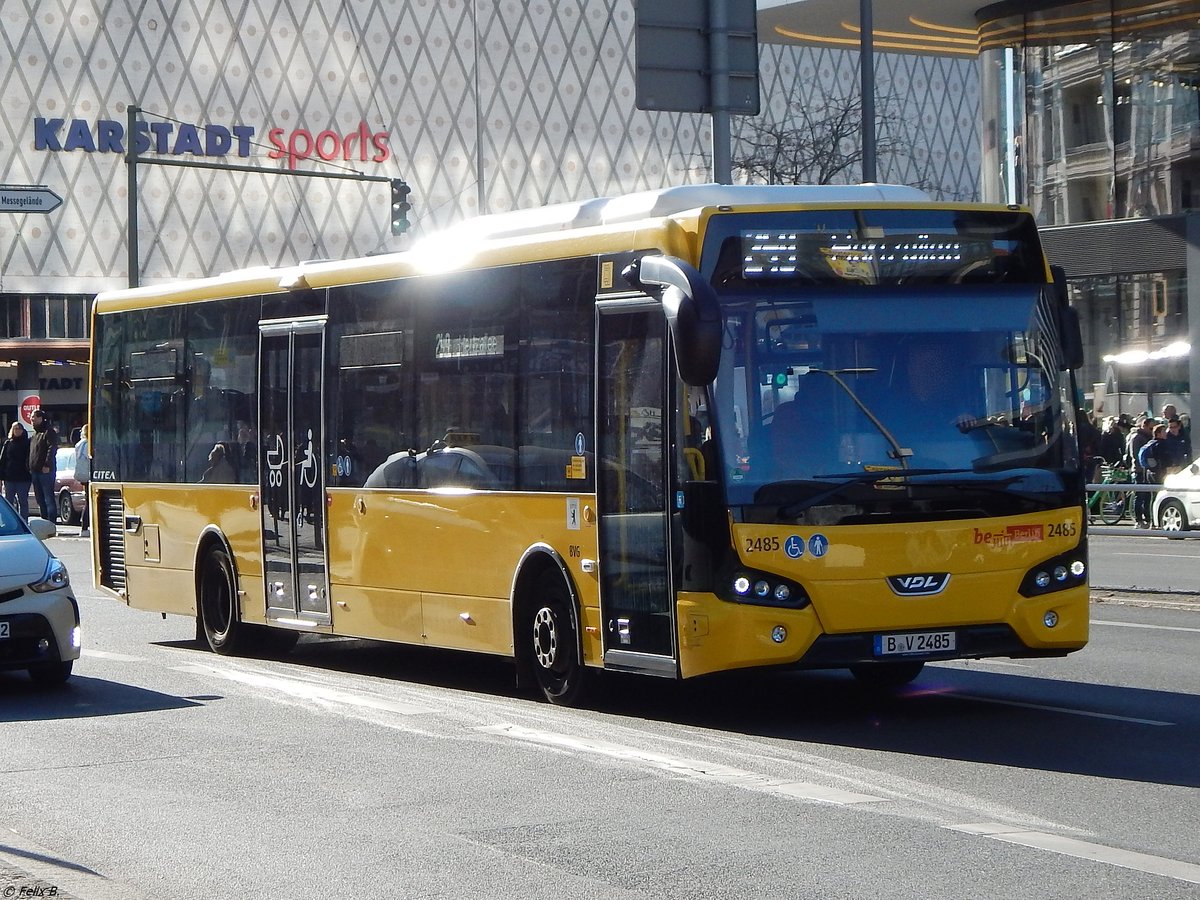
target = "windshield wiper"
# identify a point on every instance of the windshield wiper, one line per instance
(847, 479)
(898, 453)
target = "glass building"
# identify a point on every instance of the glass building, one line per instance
(1090, 115)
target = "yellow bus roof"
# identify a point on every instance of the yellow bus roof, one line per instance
(668, 219)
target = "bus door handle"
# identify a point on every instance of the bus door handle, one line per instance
(133, 524)
(361, 505)
(254, 501)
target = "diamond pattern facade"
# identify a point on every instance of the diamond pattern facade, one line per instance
(488, 106)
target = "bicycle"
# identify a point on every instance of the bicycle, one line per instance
(1111, 505)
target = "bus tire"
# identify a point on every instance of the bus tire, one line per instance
(217, 589)
(553, 645)
(887, 675)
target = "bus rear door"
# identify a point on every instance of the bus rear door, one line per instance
(292, 471)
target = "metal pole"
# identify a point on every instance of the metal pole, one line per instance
(131, 159)
(866, 40)
(718, 57)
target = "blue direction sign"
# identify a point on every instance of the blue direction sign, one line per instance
(28, 198)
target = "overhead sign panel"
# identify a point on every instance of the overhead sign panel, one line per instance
(675, 53)
(28, 198)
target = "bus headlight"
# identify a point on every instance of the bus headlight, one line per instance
(1067, 570)
(766, 589)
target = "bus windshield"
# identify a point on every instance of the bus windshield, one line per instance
(851, 402)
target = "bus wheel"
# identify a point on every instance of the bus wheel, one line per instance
(887, 675)
(218, 605)
(555, 648)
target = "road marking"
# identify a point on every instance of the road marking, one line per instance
(106, 654)
(1060, 709)
(304, 690)
(1140, 625)
(686, 768)
(1126, 859)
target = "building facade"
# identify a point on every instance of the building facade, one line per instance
(480, 106)
(1091, 115)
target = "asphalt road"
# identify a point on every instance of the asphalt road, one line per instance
(353, 768)
(1145, 564)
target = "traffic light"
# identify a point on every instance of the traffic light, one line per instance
(400, 206)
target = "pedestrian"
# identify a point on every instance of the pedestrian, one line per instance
(1179, 446)
(14, 468)
(83, 473)
(43, 448)
(1112, 441)
(1153, 460)
(1139, 438)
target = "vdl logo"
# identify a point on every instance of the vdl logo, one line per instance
(921, 585)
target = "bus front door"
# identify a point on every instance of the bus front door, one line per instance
(292, 471)
(636, 592)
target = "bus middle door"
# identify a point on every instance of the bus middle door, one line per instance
(637, 598)
(292, 471)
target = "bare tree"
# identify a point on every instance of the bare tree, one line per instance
(810, 146)
(821, 145)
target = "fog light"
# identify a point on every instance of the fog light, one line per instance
(741, 585)
(1042, 579)
(779, 634)
(1078, 568)
(762, 588)
(783, 593)
(43, 645)
(1060, 573)
(1050, 619)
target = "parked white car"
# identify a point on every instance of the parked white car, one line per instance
(39, 616)
(1175, 507)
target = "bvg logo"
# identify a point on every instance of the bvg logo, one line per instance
(918, 585)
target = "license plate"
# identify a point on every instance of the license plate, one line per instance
(3, 630)
(908, 644)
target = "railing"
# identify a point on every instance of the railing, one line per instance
(1132, 529)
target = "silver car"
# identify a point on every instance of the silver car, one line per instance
(1177, 505)
(39, 616)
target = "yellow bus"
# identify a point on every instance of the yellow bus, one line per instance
(673, 433)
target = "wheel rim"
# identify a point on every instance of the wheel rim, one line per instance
(1170, 518)
(64, 508)
(1112, 509)
(545, 640)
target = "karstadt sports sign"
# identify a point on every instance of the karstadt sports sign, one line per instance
(180, 138)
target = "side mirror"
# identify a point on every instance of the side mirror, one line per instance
(42, 528)
(1072, 338)
(692, 311)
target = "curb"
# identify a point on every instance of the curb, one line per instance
(1159, 599)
